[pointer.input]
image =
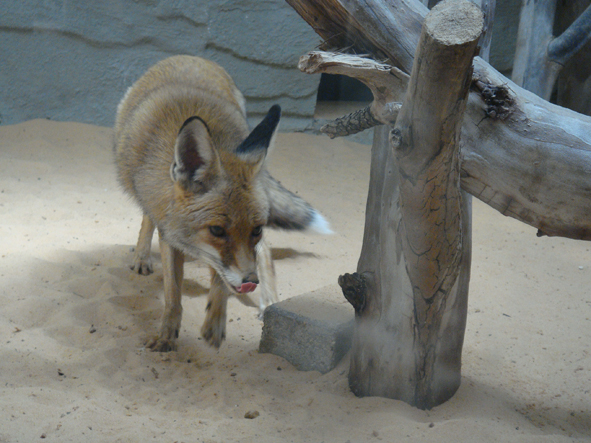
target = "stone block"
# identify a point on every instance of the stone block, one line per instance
(312, 331)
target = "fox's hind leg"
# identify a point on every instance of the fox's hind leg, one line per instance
(173, 261)
(266, 272)
(142, 261)
(214, 326)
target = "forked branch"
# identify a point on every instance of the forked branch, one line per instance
(530, 162)
(378, 77)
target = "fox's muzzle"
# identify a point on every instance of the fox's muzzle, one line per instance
(249, 284)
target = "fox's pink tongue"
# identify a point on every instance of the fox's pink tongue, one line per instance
(247, 287)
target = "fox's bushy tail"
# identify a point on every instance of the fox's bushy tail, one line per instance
(288, 211)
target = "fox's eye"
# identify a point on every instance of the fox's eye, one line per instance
(217, 231)
(257, 231)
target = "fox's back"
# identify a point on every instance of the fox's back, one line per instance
(154, 109)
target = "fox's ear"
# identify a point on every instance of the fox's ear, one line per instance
(193, 153)
(254, 148)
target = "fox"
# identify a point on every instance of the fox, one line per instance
(184, 152)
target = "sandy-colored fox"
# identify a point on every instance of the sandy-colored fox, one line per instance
(184, 152)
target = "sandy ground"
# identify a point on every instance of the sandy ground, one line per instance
(73, 318)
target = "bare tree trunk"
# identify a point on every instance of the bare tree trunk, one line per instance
(539, 57)
(411, 288)
(526, 158)
(521, 155)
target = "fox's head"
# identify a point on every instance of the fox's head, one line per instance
(220, 204)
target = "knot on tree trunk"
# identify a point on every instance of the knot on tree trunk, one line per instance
(499, 103)
(354, 289)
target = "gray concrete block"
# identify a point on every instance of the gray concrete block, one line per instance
(312, 331)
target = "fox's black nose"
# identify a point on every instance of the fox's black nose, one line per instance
(251, 278)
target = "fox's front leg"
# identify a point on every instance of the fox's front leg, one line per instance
(214, 326)
(142, 261)
(266, 272)
(172, 270)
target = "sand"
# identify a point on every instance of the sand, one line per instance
(74, 318)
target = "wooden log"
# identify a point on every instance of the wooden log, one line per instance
(527, 158)
(425, 139)
(411, 286)
(523, 156)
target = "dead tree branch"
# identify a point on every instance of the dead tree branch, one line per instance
(378, 77)
(523, 156)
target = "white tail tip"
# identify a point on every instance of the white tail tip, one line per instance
(319, 224)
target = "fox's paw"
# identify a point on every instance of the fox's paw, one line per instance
(142, 266)
(266, 299)
(214, 332)
(169, 332)
(158, 344)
